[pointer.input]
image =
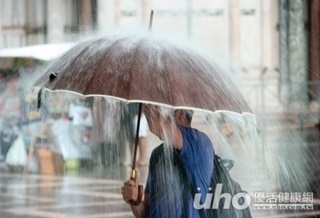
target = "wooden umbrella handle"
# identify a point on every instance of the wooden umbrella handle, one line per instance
(136, 202)
(139, 198)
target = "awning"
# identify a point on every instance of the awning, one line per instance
(42, 52)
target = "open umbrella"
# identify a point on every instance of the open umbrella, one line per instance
(144, 68)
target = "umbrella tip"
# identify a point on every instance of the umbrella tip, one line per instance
(52, 76)
(151, 19)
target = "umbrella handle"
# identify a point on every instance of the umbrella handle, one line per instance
(136, 202)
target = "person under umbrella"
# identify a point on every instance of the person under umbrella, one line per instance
(166, 194)
(147, 69)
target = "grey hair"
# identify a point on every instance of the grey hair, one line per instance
(189, 115)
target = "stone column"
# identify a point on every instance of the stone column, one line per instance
(1, 14)
(106, 16)
(36, 22)
(189, 14)
(274, 35)
(85, 16)
(13, 22)
(293, 53)
(266, 34)
(234, 34)
(284, 77)
(298, 55)
(117, 13)
(56, 21)
(250, 36)
(314, 47)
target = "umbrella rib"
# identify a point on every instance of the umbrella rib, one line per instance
(74, 61)
(100, 63)
(131, 67)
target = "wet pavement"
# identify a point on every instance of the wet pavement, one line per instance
(36, 196)
(95, 192)
(65, 196)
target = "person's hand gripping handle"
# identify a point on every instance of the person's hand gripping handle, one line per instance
(133, 177)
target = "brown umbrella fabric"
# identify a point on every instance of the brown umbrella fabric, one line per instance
(145, 68)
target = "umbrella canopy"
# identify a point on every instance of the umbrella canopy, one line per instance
(145, 68)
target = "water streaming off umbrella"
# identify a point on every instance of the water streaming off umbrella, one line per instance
(265, 160)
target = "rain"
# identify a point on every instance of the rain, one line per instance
(77, 132)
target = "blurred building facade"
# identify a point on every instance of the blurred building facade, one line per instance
(269, 41)
(241, 33)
